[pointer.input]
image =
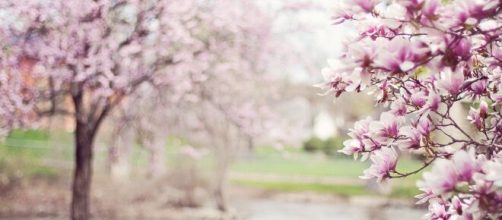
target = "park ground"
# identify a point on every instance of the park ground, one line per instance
(268, 184)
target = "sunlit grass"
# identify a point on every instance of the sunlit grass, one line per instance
(22, 154)
(295, 162)
(334, 189)
(341, 190)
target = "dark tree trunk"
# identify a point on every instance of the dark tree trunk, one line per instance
(221, 202)
(83, 171)
(221, 173)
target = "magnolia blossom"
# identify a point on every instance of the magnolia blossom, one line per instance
(451, 81)
(424, 126)
(477, 116)
(437, 211)
(401, 55)
(386, 128)
(413, 137)
(446, 174)
(425, 58)
(383, 163)
(352, 147)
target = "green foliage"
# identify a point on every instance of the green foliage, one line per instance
(329, 146)
(314, 144)
(332, 145)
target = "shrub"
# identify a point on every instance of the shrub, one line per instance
(332, 145)
(314, 144)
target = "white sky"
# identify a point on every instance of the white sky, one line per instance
(315, 38)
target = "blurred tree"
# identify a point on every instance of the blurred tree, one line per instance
(229, 105)
(96, 53)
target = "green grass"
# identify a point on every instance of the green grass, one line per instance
(24, 152)
(404, 191)
(314, 167)
(24, 162)
(30, 134)
(339, 190)
(295, 162)
(342, 190)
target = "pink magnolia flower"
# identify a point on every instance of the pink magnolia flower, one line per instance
(426, 194)
(438, 211)
(383, 163)
(446, 174)
(461, 49)
(366, 5)
(433, 101)
(497, 124)
(478, 88)
(418, 99)
(468, 12)
(429, 11)
(451, 81)
(442, 178)
(334, 82)
(386, 127)
(483, 109)
(424, 126)
(400, 55)
(361, 129)
(412, 138)
(363, 53)
(493, 170)
(466, 164)
(411, 5)
(349, 9)
(343, 12)
(351, 147)
(378, 30)
(398, 108)
(456, 206)
(371, 144)
(475, 118)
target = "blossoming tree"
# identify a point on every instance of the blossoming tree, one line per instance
(422, 59)
(96, 53)
(227, 105)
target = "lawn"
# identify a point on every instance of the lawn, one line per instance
(22, 153)
(294, 162)
(33, 153)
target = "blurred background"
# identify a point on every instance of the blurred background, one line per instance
(243, 146)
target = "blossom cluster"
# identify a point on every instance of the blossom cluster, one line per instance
(424, 60)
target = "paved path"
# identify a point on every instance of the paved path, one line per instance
(264, 209)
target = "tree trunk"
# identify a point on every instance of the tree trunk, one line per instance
(83, 171)
(221, 175)
(155, 146)
(120, 152)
